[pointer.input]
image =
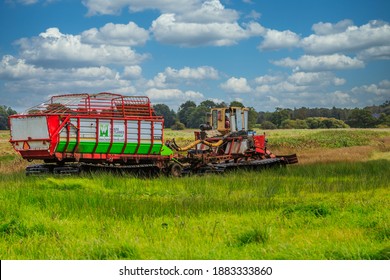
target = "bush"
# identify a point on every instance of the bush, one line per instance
(268, 125)
(178, 126)
(320, 122)
(296, 124)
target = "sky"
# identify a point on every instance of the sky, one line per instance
(265, 54)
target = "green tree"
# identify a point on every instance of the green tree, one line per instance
(252, 118)
(384, 120)
(280, 115)
(221, 105)
(5, 112)
(208, 104)
(185, 110)
(385, 107)
(197, 116)
(236, 104)
(301, 113)
(168, 114)
(361, 118)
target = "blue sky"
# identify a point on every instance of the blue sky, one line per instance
(266, 54)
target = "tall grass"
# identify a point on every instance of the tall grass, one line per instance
(325, 138)
(337, 211)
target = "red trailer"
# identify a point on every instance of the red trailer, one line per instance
(92, 128)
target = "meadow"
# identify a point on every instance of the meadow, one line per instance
(332, 205)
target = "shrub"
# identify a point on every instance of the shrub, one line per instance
(320, 122)
(268, 125)
(297, 124)
(178, 126)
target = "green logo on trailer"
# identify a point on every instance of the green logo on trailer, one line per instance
(103, 131)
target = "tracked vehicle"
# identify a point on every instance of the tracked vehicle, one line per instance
(107, 131)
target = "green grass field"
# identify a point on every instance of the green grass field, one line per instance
(334, 204)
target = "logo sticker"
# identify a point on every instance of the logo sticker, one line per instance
(104, 131)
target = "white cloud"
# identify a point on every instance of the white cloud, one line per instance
(287, 86)
(116, 34)
(274, 39)
(253, 15)
(127, 90)
(210, 11)
(185, 23)
(175, 95)
(381, 89)
(353, 39)
(104, 58)
(385, 84)
(340, 98)
(132, 72)
(17, 69)
(304, 97)
(282, 83)
(23, 2)
(327, 28)
(172, 76)
(321, 63)
(168, 30)
(317, 90)
(268, 79)
(263, 89)
(27, 84)
(190, 10)
(14, 68)
(236, 85)
(273, 99)
(187, 73)
(378, 53)
(54, 49)
(29, 2)
(90, 73)
(104, 7)
(315, 78)
(365, 95)
(309, 89)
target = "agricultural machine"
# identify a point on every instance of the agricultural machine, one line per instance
(76, 132)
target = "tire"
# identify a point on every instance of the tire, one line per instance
(175, 170)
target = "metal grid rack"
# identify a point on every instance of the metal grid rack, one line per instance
(103, 104)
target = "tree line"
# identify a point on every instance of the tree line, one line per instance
(191, 115)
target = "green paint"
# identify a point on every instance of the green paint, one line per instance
(62, 145)
(116, 148)
(165, 151)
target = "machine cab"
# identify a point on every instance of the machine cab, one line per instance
(227, 120)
